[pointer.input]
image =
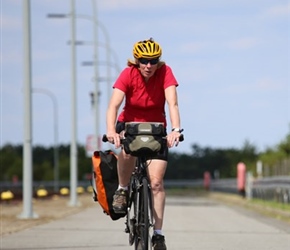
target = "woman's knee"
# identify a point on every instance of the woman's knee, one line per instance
(157, 185)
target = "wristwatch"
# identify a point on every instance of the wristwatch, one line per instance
(177, 130)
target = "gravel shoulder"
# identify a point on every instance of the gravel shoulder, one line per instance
(47, 210)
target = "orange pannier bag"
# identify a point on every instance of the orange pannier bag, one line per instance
(105, 180)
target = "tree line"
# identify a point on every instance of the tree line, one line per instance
(219, 162)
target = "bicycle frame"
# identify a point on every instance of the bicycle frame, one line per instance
(139, 219)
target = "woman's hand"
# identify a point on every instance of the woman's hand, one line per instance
(173, 139)
(114, 138)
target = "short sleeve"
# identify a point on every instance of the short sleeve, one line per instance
(123, 80)
(169, 78)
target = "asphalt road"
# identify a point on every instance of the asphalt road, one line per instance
(191, 223)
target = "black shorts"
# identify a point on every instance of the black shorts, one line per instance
(120, 126)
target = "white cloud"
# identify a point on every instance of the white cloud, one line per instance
(278, 11)
(193, 47)
(133, 4)
(267, 84)
(153, 4)
(244, 43)
(262, 85)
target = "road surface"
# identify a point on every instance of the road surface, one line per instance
(195, 223)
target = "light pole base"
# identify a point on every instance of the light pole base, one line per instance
(24, 216)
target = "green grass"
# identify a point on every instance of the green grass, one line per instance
(272, 204)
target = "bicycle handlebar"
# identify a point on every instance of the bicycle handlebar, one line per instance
(105, 138)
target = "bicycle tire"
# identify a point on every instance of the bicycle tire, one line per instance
(132, 212)
(144, 222)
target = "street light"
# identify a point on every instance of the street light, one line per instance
(96, 23)
(27, 212)
(55, 125)
(104, 45)
(73, 149)
(73, 145)
(96, 43)
(114, 64)
(73, 159)
(103, 63)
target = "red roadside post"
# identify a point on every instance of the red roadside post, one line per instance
(15, 179)
(206, 180)
(241, 178)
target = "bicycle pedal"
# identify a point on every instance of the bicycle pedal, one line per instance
(120, 212)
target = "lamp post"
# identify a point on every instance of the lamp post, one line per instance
(96, 23)
(73, 146)
(107, 79)
(97, 105)
(73, 149)
(99, 24)
(96, 43)
(55, 126)
(27, 212)
(104, 63)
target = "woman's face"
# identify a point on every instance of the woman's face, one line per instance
(148, 67)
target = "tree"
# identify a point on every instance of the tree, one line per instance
(284, 146)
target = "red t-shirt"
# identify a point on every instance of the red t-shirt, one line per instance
(145, 101)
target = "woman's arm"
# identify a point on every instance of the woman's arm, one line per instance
(112, 112)
(172, 101)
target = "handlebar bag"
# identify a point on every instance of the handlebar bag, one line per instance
(144, 138)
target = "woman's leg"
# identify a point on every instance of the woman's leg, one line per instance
(156, 171)
(126, 165)
(125, 168)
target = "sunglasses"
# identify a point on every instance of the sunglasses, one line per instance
(151, 61)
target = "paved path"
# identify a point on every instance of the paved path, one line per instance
(191, 223)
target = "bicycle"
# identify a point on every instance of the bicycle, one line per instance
(139, 219)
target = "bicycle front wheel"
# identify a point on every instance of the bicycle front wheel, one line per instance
(144, 216)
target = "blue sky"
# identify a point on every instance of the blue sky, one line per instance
(231, 59)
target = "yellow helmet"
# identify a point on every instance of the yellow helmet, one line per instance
(147, 49)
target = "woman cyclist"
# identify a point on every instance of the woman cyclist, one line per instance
(146, 84)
